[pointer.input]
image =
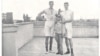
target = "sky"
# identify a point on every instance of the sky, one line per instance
(84, 9)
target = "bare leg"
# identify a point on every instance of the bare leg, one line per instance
(51, 41)
(67, 45)
(71, 46)
(46, 43)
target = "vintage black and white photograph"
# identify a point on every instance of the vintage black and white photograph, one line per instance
(50, 27)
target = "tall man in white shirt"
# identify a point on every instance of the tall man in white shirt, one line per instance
(49, 25)
(67, 17)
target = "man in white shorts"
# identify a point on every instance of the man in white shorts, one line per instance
(67, 17)
(49, 25)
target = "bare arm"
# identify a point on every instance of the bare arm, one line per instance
(43, 12)
(39, 16)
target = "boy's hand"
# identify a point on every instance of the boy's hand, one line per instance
(63, 22)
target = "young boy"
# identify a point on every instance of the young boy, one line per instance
(59, 33)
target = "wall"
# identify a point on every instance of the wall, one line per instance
(24, 34)
(85, 32)
(16, 36)
(8, 40)
(78, 31)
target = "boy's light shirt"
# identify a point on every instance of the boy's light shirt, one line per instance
(59, 28)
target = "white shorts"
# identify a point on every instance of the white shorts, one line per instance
(49, 31)
(49, 28)
(69, 31)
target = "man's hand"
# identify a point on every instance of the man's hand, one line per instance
(40, 18)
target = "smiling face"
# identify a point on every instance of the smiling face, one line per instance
(66, 5)
(51, 3)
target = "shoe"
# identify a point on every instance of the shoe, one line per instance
(57, 53)
(50, 51)
(61, 53)
(67, 52)
(46, 52)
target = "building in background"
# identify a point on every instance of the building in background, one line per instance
(26, 18)
(7, 18)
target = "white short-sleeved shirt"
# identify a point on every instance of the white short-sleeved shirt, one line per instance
(50, 17)
(50, 14)
(50, 21)
(67, 15)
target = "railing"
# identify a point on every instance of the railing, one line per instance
(74, 24)
(87, 29)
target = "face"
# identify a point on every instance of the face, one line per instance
(51, 4)
(66, 6)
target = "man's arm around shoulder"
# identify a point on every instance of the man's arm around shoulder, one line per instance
(71, 19)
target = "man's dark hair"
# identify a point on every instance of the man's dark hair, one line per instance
(50, 1)
(66, 3)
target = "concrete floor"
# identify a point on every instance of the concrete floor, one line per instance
(82, 47)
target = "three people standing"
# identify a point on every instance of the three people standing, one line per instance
(64, 29)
